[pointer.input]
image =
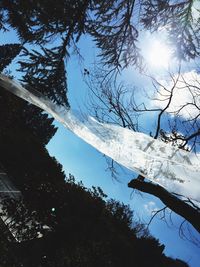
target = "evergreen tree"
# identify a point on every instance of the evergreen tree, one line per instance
(54, 28)
(7, 53)
(17, 115)
(39, 123)
(181, 21)
(45, 72)
(87, 231)
(76, 215)
(84, 228)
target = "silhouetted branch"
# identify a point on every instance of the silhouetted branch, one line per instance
(189, 213)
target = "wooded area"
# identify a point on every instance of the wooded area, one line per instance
(48, 34)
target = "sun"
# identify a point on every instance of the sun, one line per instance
(159, 54)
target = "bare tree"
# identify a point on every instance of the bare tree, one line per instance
(175, 122)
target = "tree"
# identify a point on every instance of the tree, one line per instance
(18, 112)
(174, 122)
(7, 53)
(55, 29)
(25, 131)
(112, 25)
(84, 228)
(181, 21)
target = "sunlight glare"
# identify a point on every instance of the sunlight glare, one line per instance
(159, 54)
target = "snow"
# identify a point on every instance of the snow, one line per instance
(172, 168)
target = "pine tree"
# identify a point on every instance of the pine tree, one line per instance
(39, 123)
(45, 72)
(181, 21)
(54, 30)
(7, 53)
(20, 116)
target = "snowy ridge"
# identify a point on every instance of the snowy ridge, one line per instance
(175, 169)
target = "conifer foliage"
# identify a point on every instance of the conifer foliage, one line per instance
(54, 29)
(7, 53)
(45, 72)
(181, 21)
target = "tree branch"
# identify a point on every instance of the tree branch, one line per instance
(183, 209)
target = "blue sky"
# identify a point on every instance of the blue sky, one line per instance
(88, 165)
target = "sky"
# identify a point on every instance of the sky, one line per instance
(89, 166)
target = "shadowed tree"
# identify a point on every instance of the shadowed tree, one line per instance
(7, 53)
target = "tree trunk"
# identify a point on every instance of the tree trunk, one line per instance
(180, 207)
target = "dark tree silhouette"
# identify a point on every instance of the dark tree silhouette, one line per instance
(7, 53)
(84, 229)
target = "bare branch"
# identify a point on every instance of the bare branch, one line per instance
(191, 214)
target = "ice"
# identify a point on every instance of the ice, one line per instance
(175, 169)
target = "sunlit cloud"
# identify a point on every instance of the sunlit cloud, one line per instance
(150, 207)
(186, 95)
